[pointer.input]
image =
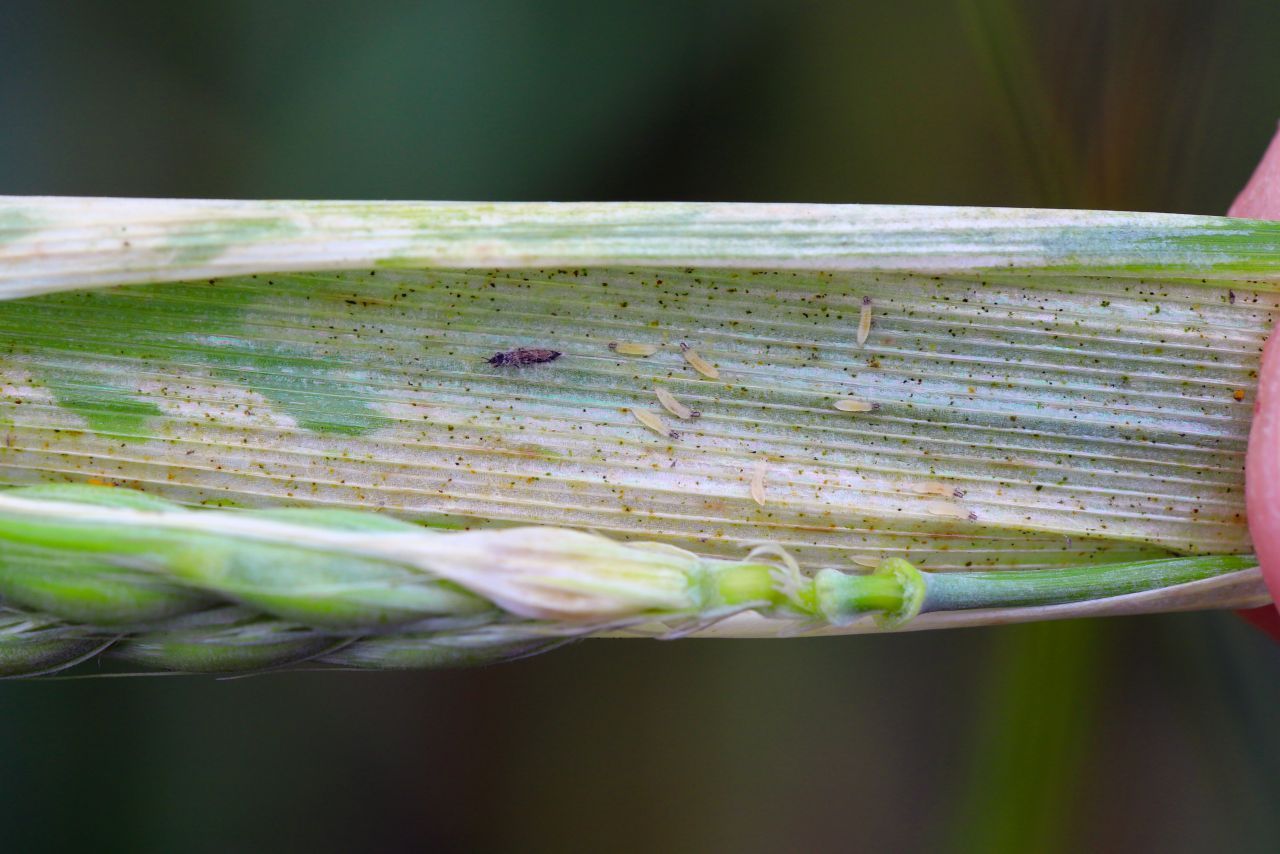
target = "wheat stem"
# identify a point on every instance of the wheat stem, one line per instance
(245, 591)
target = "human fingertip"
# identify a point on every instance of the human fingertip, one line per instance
(1266, 618)
(1260, 198)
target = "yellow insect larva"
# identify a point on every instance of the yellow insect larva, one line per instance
(936, 489)
(869, 562)
(675, 407)
(654, 422)
(864, 322)
(758, 472)
(631, 348)
(950, 510)
(850, 404)
(698, 363)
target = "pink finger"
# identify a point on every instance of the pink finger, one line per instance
(1260, 199)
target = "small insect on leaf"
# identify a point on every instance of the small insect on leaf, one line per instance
(630, 348)
(521, 356)
(850, 404)
(698, 363)
(757, 481)
(935, 488)
(869, 562)
(675, 407)
(654, 422)
(864, 322)
(950, 510)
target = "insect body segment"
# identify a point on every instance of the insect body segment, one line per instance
(521, 356)
(629, 348)
(654, 422)
(852, 405)
(698, 363)
(758, 473)
(675, 407)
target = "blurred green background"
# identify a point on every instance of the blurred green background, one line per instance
(1130, 735)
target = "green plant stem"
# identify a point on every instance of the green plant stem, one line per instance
(86, 568)
(899, 589)
(963, 590)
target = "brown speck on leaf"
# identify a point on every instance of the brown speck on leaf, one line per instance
(1231, 297)
(521, 356)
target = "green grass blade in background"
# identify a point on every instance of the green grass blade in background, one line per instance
(1036, 714)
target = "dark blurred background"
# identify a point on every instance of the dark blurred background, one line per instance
(1150, 733)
